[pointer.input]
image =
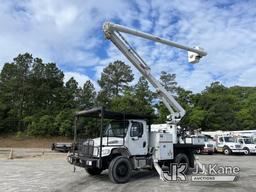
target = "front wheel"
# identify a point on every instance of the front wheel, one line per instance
(93, 171)
(227, 151)
(120, 170)
(246, 151)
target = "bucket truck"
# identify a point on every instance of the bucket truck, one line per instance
(130, 142)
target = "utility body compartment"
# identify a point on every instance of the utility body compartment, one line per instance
(162, 145)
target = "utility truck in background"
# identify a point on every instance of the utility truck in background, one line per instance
(227, 144)
(129, 142)
(247, 144)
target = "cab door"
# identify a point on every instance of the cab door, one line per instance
(220, 144)
(241, 142)
(137, 138)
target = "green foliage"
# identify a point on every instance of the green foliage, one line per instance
(41, 126)
(88, 95)
(194, 118)
(35, 101)
(168, 81)
(136, 100)
(63, 122)
(226, 108)
(115, 78)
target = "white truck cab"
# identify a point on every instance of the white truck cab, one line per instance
(247, 144)
(227, 144)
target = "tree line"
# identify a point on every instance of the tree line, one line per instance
(34, 100)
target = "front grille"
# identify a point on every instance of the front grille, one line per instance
(85, 148)
(209, 145)
(238, 146)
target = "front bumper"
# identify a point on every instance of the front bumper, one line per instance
(252, 150)
(237, 150)
(74, 159)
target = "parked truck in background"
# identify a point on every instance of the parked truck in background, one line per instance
(247, 144)
(209, 145)
(227, 144)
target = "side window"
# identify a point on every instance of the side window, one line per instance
(240, 141)
(221, 139)
(136, 129)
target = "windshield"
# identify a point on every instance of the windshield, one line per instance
(248, 141)
(229, 139)
(116, 129)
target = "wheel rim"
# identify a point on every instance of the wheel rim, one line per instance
(246, 152)
(226, 151)
(122, 170)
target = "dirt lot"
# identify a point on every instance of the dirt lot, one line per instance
(51, 172)
(30, 142)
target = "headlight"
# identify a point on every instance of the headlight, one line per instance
(105, 152)
(231, 146)
(95, 151)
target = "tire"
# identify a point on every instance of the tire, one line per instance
(120, 170)
(247, 151)
(226, 151)
(93, 171)
(182, 158)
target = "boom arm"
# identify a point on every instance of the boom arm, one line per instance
(112, 32)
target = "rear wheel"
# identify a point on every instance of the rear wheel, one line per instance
(120, 170)
(93, 171)
(182, 158)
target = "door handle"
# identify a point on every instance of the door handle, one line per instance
(135, 138)
(144, 144)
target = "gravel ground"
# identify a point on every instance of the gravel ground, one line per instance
(53, 173)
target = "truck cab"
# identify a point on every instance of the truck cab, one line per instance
(247, 144)
(227, 144)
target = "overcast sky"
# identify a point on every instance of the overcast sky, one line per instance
(69, 33)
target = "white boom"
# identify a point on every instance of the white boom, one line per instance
(112, 32)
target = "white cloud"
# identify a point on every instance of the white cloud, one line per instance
(247, 78)
(69, 33)
(80, 78)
